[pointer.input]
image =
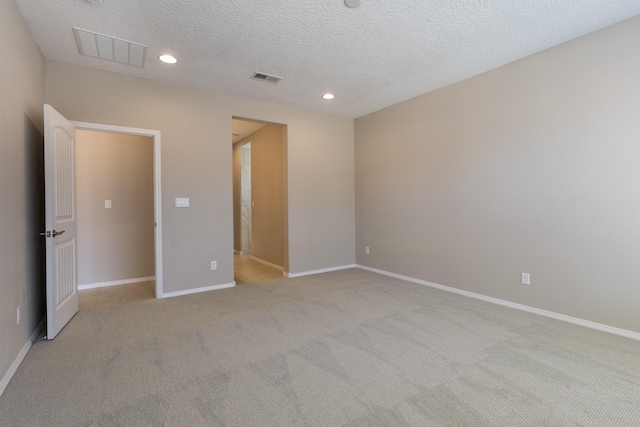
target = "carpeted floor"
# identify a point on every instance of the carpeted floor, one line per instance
(345, 348)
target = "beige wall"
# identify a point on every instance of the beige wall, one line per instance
(267, 192)
(114, 244)
(532, 167)
(21, 184)
(196, 152)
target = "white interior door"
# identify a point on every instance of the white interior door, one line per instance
(60, 220)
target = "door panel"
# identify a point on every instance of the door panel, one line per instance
(60, 221)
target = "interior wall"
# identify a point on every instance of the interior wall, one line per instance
(532, 167)
(118, 243)
(21, 184)
(195, 126)
(267, 193)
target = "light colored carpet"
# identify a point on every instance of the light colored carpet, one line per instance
(347, 348)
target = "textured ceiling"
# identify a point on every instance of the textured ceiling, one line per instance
(370, 57)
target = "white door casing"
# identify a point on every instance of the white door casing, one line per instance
(60, 221)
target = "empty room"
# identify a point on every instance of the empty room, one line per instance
(446, 195)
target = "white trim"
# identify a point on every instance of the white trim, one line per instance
(157, 185)
(198, 290)
(322, 270)
(115, 283)
(521, 307)
(267, 263)
(235, 251)
(16, 363)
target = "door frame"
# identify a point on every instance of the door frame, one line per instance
(285, 183)
(157, 186)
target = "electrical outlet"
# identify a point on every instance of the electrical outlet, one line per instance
(366, 250)
(18, 316)
(526, 279)
(214, 265)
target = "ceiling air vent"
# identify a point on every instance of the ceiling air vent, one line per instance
(110, 48)
(266, 78)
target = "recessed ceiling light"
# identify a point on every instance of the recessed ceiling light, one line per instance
(328, 96)
(168, 59)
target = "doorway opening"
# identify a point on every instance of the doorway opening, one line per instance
(136, 209)
(259, 200)
(114, 211)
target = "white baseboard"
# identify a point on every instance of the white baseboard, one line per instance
(197, 290)
(235, 251)
(267, 263)
(522, 307)
(116, 282)
(23, 352)
(323, 270)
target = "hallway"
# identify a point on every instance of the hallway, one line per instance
(248, 270)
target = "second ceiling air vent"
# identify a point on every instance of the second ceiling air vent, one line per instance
(266, 77)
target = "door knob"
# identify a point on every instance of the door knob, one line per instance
(57, 233)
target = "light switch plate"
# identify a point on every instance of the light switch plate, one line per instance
(182, 202)
(107, 204)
